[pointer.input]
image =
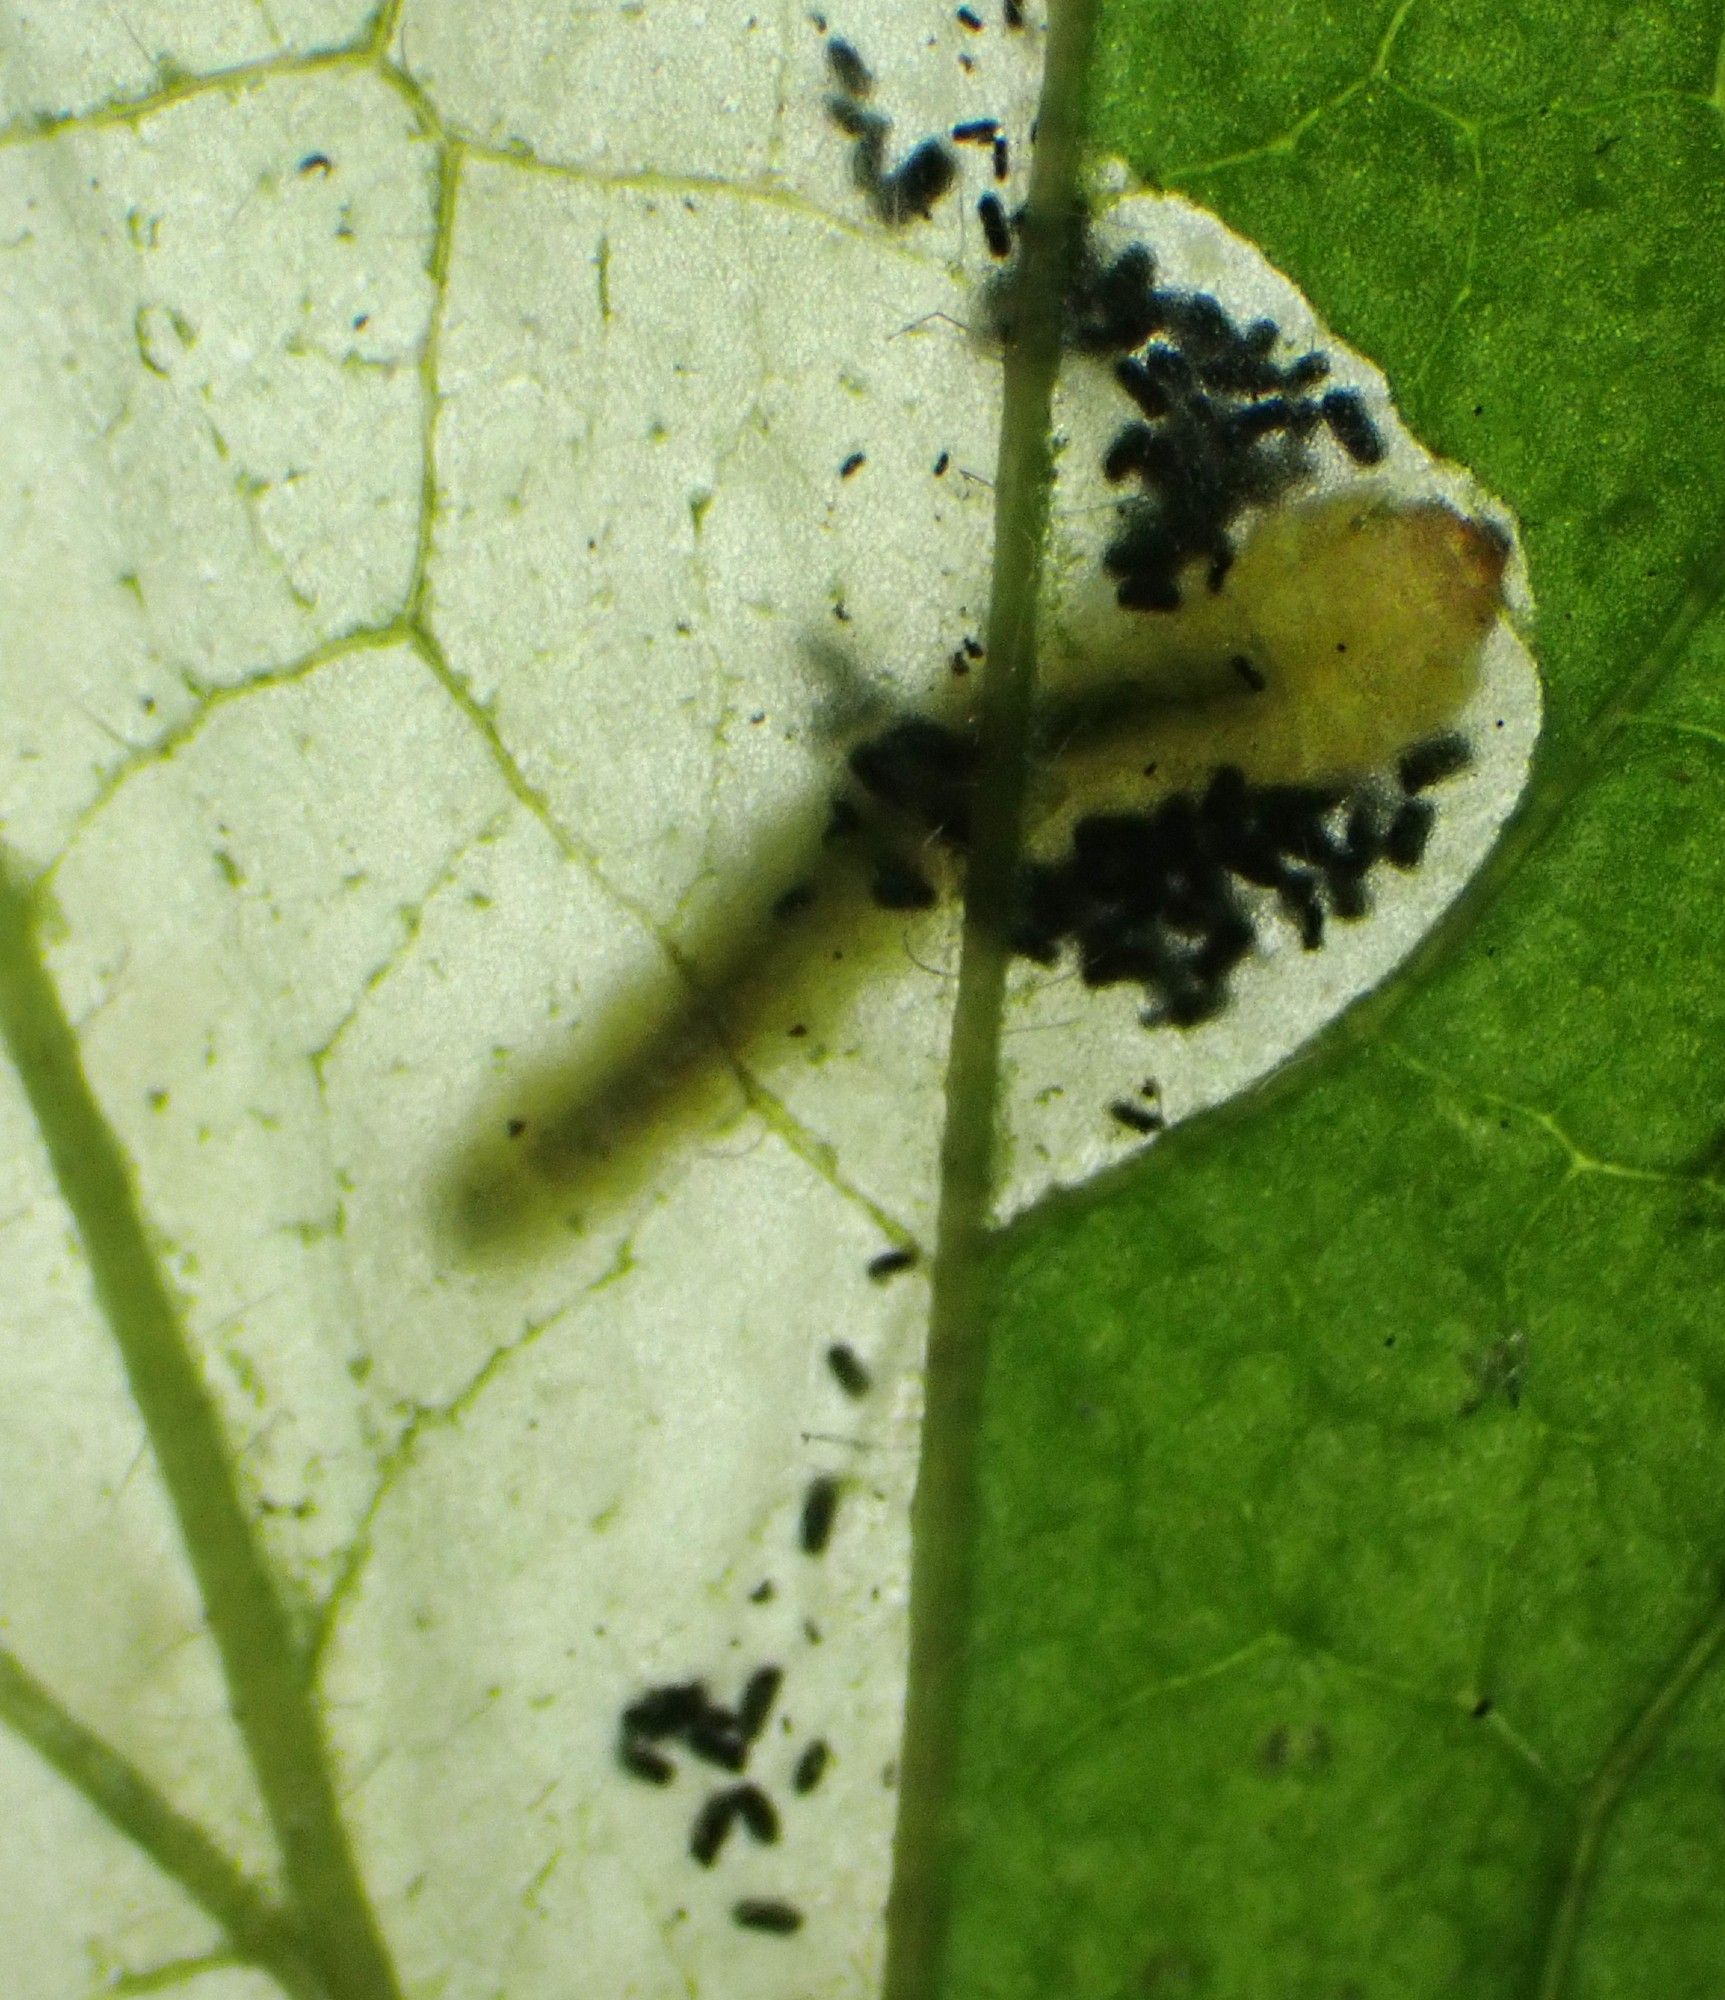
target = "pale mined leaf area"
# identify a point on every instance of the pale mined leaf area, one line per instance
(1296, 608)
(471, 474)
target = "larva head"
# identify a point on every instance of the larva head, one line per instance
(1366, 623)
(1348, 629)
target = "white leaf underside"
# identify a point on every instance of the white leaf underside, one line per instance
(370, 830)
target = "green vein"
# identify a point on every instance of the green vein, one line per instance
(1107, 1720)
(816, 1153)
(267, 1676)
(400, 1458)
(765, 192)
(1280, 144)
(211, 700)
(410, 916)
(943, 1512)
(164, 1978)
(1569, 776)
(1387, 41)
(259, 1929)
(442, 241)
(1468, 136)
(1287, 141)
(178, 87)
(1606, 1793)
(1676, 725)
(379, 32)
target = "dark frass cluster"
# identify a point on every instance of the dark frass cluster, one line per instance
(686, 1717)
(906, 192)
(1222, 425)
(1158, 898)
(684, 1714)
(1162, 897)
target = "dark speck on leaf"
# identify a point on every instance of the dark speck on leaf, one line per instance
(1345, 412)
(759, 1913)
(1251, 675)
(911, 190)
(889, 1263)
(1135, 1117)
(849, 70)
(1429, 763)
(847, 1370)
(854, 463)
(757, 1700)
(924, 769)
(651, 1766)
(757, 1813)
(842, 820)
(1306, 373)
(317, 163)
(712, 1826)
(868, 128)
(666, 1711)
(1405, 838)
(1298, 892)
(994, 226)
(810, 1767)
(716, 1739)
(820, 1510)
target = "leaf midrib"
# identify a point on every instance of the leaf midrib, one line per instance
(943, 1510)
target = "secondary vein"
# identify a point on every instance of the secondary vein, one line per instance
(267, 1673)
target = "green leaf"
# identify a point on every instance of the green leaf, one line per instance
(1349, 1614)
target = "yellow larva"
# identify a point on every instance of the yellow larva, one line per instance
(1349, 628)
